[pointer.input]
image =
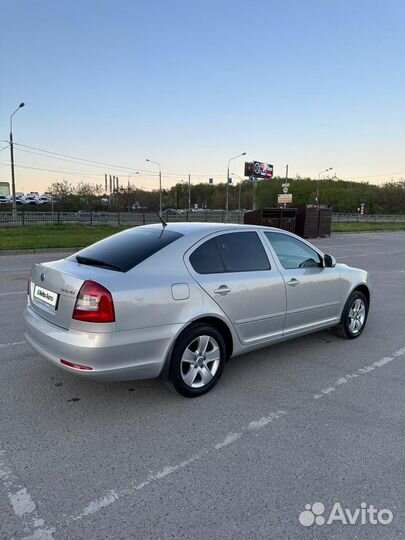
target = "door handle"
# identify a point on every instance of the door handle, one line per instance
(293, 282)
(223, 289)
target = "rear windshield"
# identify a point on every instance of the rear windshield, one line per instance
(125, 250)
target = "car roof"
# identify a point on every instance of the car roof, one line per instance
(195, 227)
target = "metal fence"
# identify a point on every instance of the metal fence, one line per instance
(368, 218)
(113, 218)
(143, 218)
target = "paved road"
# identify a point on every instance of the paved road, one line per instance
(317, 419)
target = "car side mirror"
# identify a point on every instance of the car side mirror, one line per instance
(329, 261)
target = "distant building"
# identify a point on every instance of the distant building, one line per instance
(4, 188)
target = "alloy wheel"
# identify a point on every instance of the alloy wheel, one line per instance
(200, 361)
(357, 316)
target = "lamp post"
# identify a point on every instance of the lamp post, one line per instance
(129, 187)
(240, 185)
(189, 193)
(227, 179)
(22, 104)
(317, 185)
(160, 183)
(175, 195)
(129, 176)
(183, 197)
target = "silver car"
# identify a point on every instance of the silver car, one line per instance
(177, 301)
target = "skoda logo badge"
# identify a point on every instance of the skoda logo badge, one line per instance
(42, 276)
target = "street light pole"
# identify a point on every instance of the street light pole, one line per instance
(12, 160)
(240, 186)
(317, 185)
(129, 187)
(183, 198)
(286, 182)
(189, 193)
(160, 183)
(227, 179)
(129, 176)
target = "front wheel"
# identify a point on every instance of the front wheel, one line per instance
(197, 360)
(354, 316)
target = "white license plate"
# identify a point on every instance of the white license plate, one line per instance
(46, 296)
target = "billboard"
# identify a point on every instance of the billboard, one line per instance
(259, 169)
(4, 188)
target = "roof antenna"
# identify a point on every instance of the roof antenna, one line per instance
(164, 224)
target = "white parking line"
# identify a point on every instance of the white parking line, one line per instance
(349, 377)
(12, 344)
(34, 526)
(331, 246)
(388, 272)
(113, 495)
(368, 254)
(14, 269)
(22, 503)
(14, 292)
(252, 426)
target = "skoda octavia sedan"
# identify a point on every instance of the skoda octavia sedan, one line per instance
(176, 301)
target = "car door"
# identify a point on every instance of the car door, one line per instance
(235, 270)
(313, 291)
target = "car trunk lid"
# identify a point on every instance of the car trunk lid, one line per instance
(54, 287)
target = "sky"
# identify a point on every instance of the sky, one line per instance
(313, 84)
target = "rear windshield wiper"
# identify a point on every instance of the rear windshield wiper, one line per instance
(95, 262)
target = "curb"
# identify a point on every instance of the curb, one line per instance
(39, 250)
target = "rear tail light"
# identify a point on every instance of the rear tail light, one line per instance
(94, 303)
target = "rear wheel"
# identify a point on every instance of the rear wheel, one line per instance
(197, 360)
(354, 316)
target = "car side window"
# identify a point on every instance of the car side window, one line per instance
(293, 253)
(232, 252)
(242, 252)
(206, 258)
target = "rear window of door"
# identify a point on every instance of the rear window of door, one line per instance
(231, 252)
(292, 253)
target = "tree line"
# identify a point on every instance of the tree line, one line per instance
(343, 196)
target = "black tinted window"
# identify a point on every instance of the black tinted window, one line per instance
(293, 253)
(242, 252)
(125, 250)
(234, 252)
(206, 258)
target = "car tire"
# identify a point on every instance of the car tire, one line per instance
(197, 360)
(354, 316)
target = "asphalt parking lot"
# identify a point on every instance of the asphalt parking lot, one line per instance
(317, 419)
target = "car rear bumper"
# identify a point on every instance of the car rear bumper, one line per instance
(115, 356)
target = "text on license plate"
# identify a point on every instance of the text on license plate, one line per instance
(46, 296)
